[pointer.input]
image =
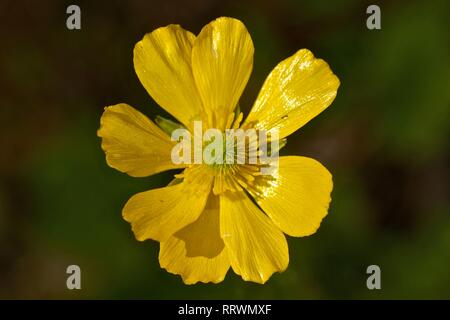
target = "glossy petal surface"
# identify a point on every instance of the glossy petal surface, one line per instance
(297, 90)
(222, 60)
(162, 61)
(256, 247)
(159, 213)
(297, 198)
(197, 252)
(133, 143)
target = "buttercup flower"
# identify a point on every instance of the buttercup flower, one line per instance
(215, 216)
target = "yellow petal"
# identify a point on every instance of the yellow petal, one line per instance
(297, 198)
(256, 247)
(197, 252)
(162, 61)
(297, 90)
(159, 213)
(222, 60)
(133, 143)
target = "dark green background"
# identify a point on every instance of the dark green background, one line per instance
(385, 140)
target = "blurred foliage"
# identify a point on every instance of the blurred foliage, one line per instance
(385, 139)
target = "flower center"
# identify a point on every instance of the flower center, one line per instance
(238, 164)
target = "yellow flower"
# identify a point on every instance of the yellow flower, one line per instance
(214, 217)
